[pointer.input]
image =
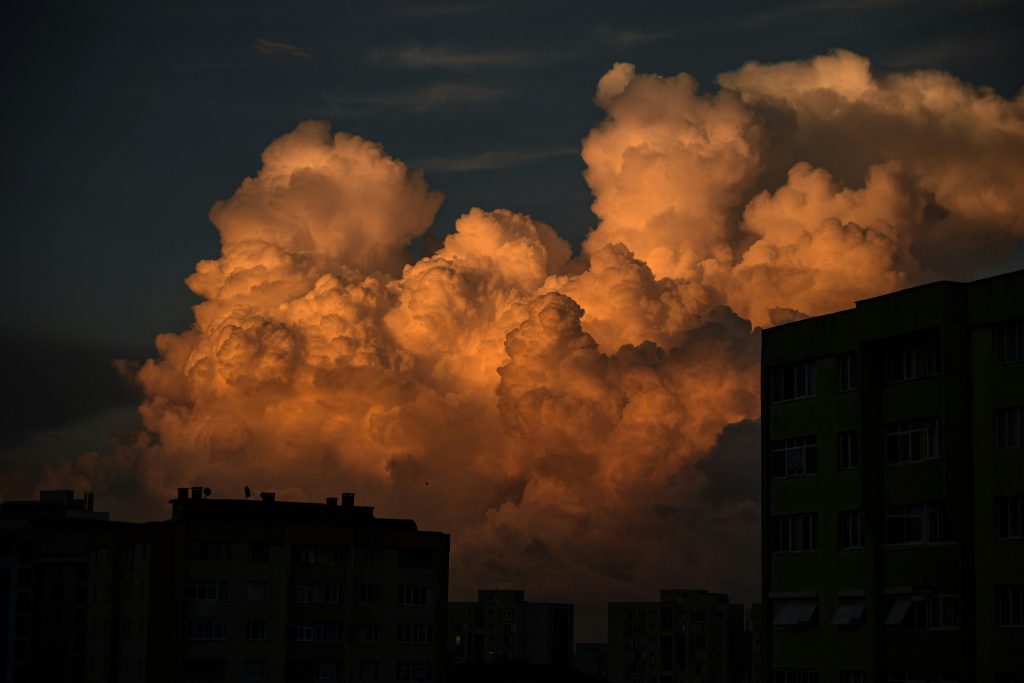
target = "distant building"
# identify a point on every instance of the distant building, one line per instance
(592, 659)
(689, 636)
(43, 584)
(893, 488)
(502, 627)
(264, 590)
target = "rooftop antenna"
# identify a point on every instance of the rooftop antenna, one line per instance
(207, 492)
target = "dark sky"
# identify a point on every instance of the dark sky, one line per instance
(124, 122)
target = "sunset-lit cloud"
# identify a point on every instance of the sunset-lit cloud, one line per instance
(273, 47)
(562, 416)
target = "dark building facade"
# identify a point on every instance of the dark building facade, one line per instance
(265, 590)
(503, 627)
(689, 636)
(43, 584)
(893, 489)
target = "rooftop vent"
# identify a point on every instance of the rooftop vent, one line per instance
(348, 500)
(332, 502)
(267, 496)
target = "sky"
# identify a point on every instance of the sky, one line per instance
(124, 124)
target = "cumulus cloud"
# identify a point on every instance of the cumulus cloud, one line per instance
(565, 418)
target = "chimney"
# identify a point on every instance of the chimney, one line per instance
(332, 502)
(197, 493)
(182, 493)
(348, 500)
(267, 496)
(88, 501)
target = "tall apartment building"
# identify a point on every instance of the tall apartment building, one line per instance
(893, 489)
(265, 590)
(689, 636)
(502, 627)
(43, 580)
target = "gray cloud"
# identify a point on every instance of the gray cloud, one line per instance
(271, 47)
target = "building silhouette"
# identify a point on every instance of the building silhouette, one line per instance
(43, 586)
(501, 626)
(893, 488)
(689, 636)
(265, 590)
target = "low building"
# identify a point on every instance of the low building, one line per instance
(592, 659)
(689, 636)
(502, 627)
(43, 584)
(265, 590)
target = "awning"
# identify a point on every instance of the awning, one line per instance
(849, 613)
(898, 612)
(795, 612)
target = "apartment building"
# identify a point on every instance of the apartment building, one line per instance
(266, 590)
(501, 626)
(689, 636)
(43, 580)
(893, 489)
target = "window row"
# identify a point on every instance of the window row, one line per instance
(917, 524)
(318, 672)
(317, 592)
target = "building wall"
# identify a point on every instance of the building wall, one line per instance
(964, 480)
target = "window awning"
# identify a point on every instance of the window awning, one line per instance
(795, 612)
(849, 613)
(898, 612)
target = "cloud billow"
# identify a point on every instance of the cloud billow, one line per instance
(556, 413)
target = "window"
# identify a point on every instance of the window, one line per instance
(849, 613)
(211, 550)
(912, 441)
(207, 589)
(369, 633)
(316, 593)
(414, 671)
(256, 591)
(795, 457)
(794, 612)
(851, 529)
(924, 609)
(325, 671)
(370, 557)
(416, 634)
(318, 554)
(795, 533)
(259, 552)
(255, 630)
(415, 595)
(794, 676)
(847, 371)
(369, 594)
(254, 670)
(792, 381)
(920, 677)
(1010, 517)
(912, 358)
(313, 632)
(368, 671)
(1010, 601)
(205, 628)
(853, 677)
(847, 447)
(1008, 342)
(1009, 428)
(917, 524)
